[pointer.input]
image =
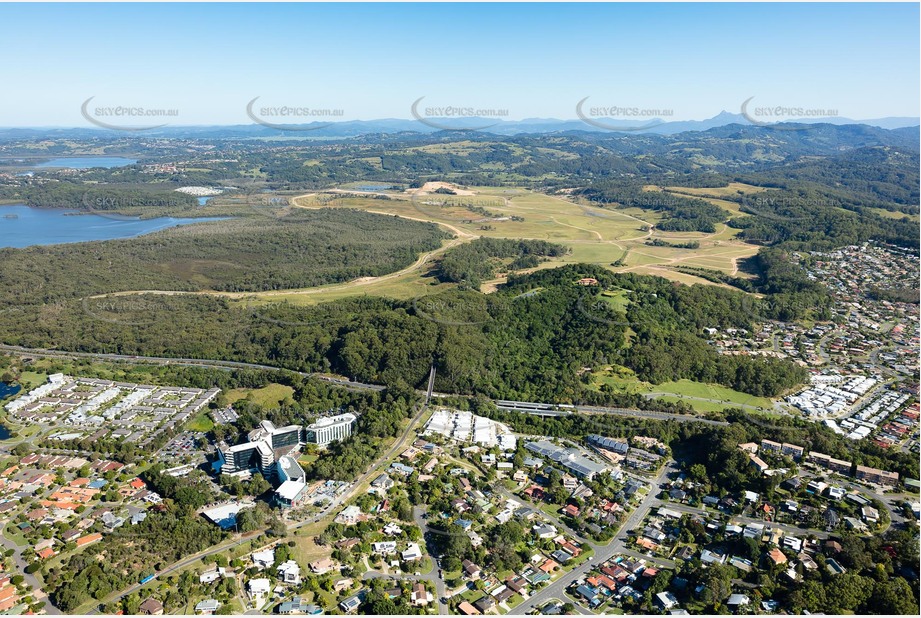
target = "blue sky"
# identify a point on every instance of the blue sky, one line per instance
(535, 60)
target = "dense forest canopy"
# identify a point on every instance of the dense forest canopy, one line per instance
(527, 341)
(481, 259)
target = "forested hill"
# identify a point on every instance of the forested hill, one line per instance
(530, 341)
(878, 176)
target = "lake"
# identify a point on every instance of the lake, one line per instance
(22, 226)
(371, 187)
(85, 163)
(6, 390)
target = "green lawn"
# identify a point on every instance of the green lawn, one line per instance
(702, 397)
(31, 379)
(725, 397)
(618, 299)
(621, 380)
(424, 565)
(550, 509)
(267, 396)
(305, 549)
(202, 423)
(307, 458)
(14, 534)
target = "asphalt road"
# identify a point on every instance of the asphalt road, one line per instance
(554, 590)
(228, 365)
(557, 589)
(21, 564)
(176, 566)
(618, 546)
(194, 362)
(432, 576)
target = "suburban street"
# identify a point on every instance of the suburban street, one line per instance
(112, 598)
(557, 589)
(29, 578)
(618, 544)
(440, 588)
(324, 514)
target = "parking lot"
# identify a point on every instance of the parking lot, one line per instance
(185, 443)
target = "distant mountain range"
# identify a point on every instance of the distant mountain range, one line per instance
(355, 128)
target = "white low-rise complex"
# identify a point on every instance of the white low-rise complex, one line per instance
(464, 426)
(831, 395)
(104, 408)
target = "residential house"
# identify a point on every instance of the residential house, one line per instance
(485, 603)
(737, 601)
(211, 576)
(351, 604)
(411, 553)
(151, 607)
(263, 559)
(777, 557)
(471, 570)
(419, 596)
(290, 573)
(322, 566)
(258, 588)
(666, 600)
(207, 607)
(385, 548)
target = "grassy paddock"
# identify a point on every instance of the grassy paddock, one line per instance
(594, 235)
(267, 396)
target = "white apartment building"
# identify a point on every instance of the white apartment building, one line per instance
(330, 428)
